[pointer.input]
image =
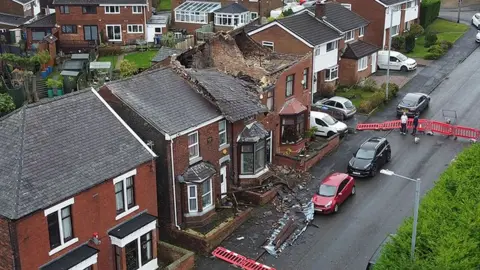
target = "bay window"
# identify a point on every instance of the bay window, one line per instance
(362, 63)
(331, 74)
(207, 194)
(253, 157)
(293, 128)
(192, 198)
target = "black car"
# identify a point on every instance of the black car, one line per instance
(370, 157)
(413, 103)
(378, 252)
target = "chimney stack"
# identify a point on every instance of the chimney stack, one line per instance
(320, 9)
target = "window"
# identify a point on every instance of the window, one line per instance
(38, 35)
(90, 32)
(362, 63)
(222, 132)
(396, 8)
(69, 29)
(89, 9)
(270, 100)
(347, 6)
(112, 10)
(253, 15)
(394, 30)
(192, 198)
(268, 44)
(317, 51)
(332, 46)
(305, 78)
(146, 252)
(349, 36)
(253, 158)
(135, 28)
(407, 26)
(124, 192)
(207, 193)
(118, 258)
(293, 128)
(131, 255)
(231, 19)
(289, 85)
(191, 17)
(193, 146)
(361, 31)
(60, 228)
(137, 9)
(331, 74)
(158, 30)
(64, 9)
(114, 32)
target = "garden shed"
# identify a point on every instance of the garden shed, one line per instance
(70, 79)
(101, 71)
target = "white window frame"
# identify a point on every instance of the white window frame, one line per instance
(210, 194)
(113, 25)
(121, 243)
(242, 19)
(222, 133)
(197, 145)
(361, 31)
(332, 69)
(253, 13)
(58, 208)
(397, 30)
(201, 17)
(130, 28)
(122, 178)
(190, 197)
(346, 35)
(116, 9)
(269, 44)
(137, 9)
(334, 46)
(362, 63)
(317, 51)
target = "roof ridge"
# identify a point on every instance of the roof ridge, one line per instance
(20, 161)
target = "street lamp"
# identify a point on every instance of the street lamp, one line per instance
(390, 10)
(415, 212)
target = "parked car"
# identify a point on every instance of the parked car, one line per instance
(333, 191)
(343, 106)
(378, 252)
(326, 125)
(477, 37)
(370, 157)
(398, 61)
(413, 103)
(476, 20)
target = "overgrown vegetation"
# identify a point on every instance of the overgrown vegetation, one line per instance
(127, 68)
(168, 40)
(448, 224)
(6, 104)
(284, 14)
(368, 95)
(429, 11)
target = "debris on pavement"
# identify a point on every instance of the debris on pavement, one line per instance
(240, 238)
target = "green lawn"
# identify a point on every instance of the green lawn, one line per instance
(446, 30)
(112, 59)
(164, 5)
(142, 59)
(356, 95)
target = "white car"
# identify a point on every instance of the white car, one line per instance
(477, 37)
(397, 60)
(343, 107)
(476, 20)
(326, 125)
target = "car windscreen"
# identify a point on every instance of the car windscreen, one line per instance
(365, 153)
(329, 120)
(409, 101)
(402, 57)
(348, 104)
(327, 190)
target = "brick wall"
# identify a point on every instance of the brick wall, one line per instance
(76, 17)
(11, 7)
(176, 258)
(349, 70)
(6, 250)
(92, 211)
(283, 41)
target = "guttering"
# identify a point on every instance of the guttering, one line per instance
(173, 186)
(192, 129)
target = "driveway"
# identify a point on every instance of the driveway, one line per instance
(397, 77)
(348, 239)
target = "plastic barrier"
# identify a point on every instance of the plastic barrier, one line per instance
(391, 125)
(368, 126)
(442, 128)
(253, 265)
(229, 256)
(466, 132)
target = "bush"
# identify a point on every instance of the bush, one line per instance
(366, 106)
(378, 98)
(127, 68)
(436, 49)
(430, 39)
(410, 42)
(109, 51)
(448, 224)
(433, 56)
(429, 11)
(287, 12)
(369, 85)
(6, 104)
(445, 44)
(398, 43)
(393, 89)
(416, 30)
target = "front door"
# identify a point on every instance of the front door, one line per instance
(374, 62)
(223, 179)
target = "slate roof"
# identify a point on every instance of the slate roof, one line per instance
(98, 2)
(392, 2)
(71, 258)
(309, 28)
(253, 133)
(341, 17)
(233, 8)
(42, 21)
(12, 20)
(165, 52)
(199, 172)
(234, 97)
(359, 49)
(165, 100)
(54, 149)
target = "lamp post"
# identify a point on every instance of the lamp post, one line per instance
(415, 211)
(390, 9)
(459, 10)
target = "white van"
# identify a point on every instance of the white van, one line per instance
(326, 125)
(398, 61)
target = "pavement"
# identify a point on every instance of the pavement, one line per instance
(348, 239)
(398, 77)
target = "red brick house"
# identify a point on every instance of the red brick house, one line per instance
(405, 13)
(13, 13)
(73, 196)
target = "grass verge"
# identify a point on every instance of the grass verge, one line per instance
(141, 59)
(112, 59)
(164, 5)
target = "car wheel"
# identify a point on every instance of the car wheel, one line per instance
(330, 134)
(335, 208)
(389, 157)
(373, 172)
(353, 190)
(403, 69)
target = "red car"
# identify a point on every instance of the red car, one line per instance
(333, 191)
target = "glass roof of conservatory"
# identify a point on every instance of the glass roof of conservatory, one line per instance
(206, 7)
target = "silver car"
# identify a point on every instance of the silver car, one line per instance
(339, 104)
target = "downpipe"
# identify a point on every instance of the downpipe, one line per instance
(173, 186)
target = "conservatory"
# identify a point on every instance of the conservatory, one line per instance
(233, 15)
(195, 12)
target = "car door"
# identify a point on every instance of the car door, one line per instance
(394, 63)
(381, 155)
(322, 127)
(422, 101)
(341, 192)
(330, 104)
(339, 106)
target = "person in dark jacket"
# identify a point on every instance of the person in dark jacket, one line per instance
(415, 124)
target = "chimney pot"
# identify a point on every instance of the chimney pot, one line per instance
(320, 9)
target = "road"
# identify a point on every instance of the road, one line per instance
(348, 239)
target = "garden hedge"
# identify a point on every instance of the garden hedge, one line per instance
(429, 11)
(448, 234)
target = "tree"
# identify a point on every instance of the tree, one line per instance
(6, 104)
(168, 40)
(127, 68)
(430, 39)
(409, 42)
(416, 30)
